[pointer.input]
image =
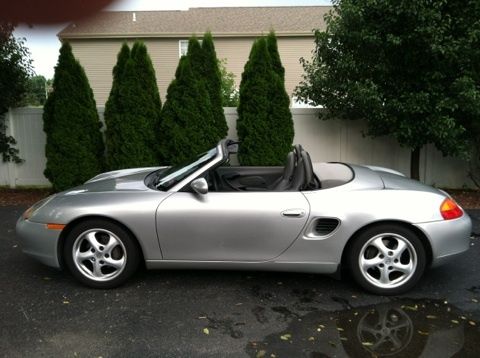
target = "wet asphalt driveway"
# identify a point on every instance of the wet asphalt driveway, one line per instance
(45, 313)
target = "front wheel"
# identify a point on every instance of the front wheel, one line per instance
(101, 254)
(387, 259)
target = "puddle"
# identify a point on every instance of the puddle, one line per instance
(402, 328)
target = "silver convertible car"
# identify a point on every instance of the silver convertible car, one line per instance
(319, 218)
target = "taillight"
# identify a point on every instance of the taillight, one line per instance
(450, 209)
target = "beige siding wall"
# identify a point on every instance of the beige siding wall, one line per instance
(99, 56)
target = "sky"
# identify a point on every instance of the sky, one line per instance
(43, 43)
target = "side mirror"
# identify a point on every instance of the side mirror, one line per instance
(200, 186)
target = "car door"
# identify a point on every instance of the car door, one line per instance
(230, 226)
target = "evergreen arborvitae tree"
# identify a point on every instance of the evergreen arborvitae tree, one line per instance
(264, 125)
(280, 114)
(74, 149)
(133, 111)
(253, 125)
(185, 117)
(213, 80)
(205, 67)
(275, 55)
(112, 115)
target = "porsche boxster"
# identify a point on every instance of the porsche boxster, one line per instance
(326, 218)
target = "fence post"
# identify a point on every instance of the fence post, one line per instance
(12, 166)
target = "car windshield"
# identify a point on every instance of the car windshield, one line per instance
(175, 174)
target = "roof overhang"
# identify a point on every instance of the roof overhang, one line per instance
(179, 35)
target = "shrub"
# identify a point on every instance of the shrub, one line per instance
(74, 149)
(264, 124)
(185, 117)
(205, 67)
(213, 80)
(132, 111)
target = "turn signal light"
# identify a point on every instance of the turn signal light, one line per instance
(450, 209)
(55, 226)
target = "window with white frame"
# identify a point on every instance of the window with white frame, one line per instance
(183, 47)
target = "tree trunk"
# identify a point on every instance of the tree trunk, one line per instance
(415, 164)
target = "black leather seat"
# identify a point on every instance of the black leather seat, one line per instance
(298, 175)
(307, 163)
(284, 182)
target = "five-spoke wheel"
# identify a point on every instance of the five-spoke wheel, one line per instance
(387, 259)
(100, 253)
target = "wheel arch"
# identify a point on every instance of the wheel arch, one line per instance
(421, 235)
(75, 222)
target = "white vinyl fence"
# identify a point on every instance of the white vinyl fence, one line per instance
(332, 140)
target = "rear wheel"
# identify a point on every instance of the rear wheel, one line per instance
(387, 259)
(101, 254)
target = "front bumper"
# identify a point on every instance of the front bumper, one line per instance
(447, 238)
(39, 242)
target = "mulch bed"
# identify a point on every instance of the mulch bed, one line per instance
(25, 197)
(468, 199)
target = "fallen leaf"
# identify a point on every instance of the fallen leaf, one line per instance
(474, 300)
(455, 321)
(286, 337)
(431, 316)
(423, 333)
(367, 344)
(332, 343)
(411, 308)
(343, 339)
(311, 338)
(206, 331)
(261, 354)
(66, 302)
(340, 329)
(46, 278)
(471, 323)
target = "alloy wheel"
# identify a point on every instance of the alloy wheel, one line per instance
(99, 255)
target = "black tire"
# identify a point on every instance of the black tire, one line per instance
(123, 251)
(370, 279)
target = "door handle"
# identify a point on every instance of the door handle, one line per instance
(293, 213)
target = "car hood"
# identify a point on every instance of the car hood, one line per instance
(118, 180)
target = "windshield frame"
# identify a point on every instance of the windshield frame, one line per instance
(218, 158)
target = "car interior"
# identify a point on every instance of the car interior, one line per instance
(297, 174)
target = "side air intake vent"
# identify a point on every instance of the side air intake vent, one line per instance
(324, 227)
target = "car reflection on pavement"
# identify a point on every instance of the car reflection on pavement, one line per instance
(401, 328)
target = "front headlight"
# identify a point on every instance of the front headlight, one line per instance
(31, 210)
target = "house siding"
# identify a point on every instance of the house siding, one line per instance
(98, 57)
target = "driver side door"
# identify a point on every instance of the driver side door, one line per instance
(230, 226)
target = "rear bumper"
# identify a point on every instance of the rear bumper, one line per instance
(448, 238)
(39, 242)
